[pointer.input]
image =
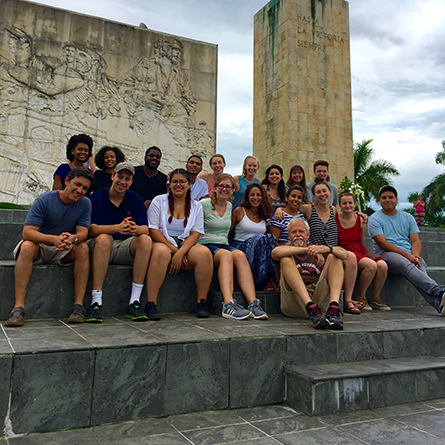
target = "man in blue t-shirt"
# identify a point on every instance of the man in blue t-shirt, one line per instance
(396, 239)
(119, 231)
(54, 233)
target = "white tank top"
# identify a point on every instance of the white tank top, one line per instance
(246, 228)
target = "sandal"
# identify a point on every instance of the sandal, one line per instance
(358, 304)
(351, 308)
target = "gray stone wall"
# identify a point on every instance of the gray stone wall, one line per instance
(63, 73)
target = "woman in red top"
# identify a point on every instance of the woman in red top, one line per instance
(419, 211)
(351, 230)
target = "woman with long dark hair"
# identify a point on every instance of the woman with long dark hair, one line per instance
(298, 177)
(275, 187)
(294, 200)
(251, 237)
(176, 222)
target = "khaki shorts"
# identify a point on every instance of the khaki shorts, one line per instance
(120, 252)
(47, 254)
(291, 304)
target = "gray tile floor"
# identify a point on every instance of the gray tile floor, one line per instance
(416, 424)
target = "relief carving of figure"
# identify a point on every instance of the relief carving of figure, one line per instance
(160, 85)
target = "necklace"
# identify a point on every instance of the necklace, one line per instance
(254, 214)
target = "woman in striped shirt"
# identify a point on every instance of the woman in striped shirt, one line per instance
(323, 232)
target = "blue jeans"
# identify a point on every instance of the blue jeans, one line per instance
(399, 265)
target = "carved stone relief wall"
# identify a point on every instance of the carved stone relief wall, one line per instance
(63, 73)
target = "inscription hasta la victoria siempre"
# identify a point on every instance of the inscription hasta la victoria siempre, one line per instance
(323, 35)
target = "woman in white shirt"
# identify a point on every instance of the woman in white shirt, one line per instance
(176, 222)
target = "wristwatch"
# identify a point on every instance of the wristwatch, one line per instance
(77, 239)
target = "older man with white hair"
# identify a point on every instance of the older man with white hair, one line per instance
(311, 277)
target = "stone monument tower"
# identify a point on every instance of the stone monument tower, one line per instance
(302, 86)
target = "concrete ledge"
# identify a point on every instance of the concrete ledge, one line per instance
(331, 388)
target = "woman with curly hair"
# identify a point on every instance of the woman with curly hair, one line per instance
(217, 222)
(106, 159)
(298, 177)
(78, 150)
(249, 222)
(176, 221)
(275, 186)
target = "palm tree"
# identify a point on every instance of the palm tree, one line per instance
(434, 194)
(371, 175)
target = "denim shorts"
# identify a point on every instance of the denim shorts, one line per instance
(215, 247)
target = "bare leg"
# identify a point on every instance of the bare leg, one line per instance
(293, 279)
(224, 262)
(368, 269)
(350, 275)
(103, 244)
(81, 256)
(200, 260)
(334, 267)
(140, 249)
(157, 269)
(29, 252)
(244, 274)
(380, 278)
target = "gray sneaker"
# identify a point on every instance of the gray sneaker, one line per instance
(16, 317)
(78, 315)
(235, 311)
(256, 311)
(379, 304)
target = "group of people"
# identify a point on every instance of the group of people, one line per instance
(287, 236)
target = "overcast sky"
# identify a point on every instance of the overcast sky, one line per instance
(397, 66)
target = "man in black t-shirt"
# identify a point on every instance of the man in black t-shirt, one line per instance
(311, 278)
(148, 180)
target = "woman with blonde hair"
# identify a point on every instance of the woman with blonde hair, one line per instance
(217, 223)
(217, 164)
(250, 167)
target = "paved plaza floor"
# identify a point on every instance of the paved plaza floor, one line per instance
(411, 424)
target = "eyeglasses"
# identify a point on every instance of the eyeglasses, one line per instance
(179, 181)
(225, 187)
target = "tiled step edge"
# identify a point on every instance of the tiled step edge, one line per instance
(330, 388)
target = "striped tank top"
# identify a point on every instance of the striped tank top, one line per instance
(322, 234)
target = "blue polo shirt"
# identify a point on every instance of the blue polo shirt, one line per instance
(105, 213)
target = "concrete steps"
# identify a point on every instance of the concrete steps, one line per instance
(338, 387)
(55, 376)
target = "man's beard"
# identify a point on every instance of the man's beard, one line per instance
(298, 242)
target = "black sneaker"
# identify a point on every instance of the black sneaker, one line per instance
(135, 312)
(151, 311)
(95, 315)
(318, 319)
(333, 317)
(201, 309)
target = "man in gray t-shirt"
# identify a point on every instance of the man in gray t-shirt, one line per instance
(54, 233)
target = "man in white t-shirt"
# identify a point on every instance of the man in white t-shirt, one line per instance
(396, 239)
(198, 186)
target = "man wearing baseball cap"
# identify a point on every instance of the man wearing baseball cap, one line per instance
(119, 232)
